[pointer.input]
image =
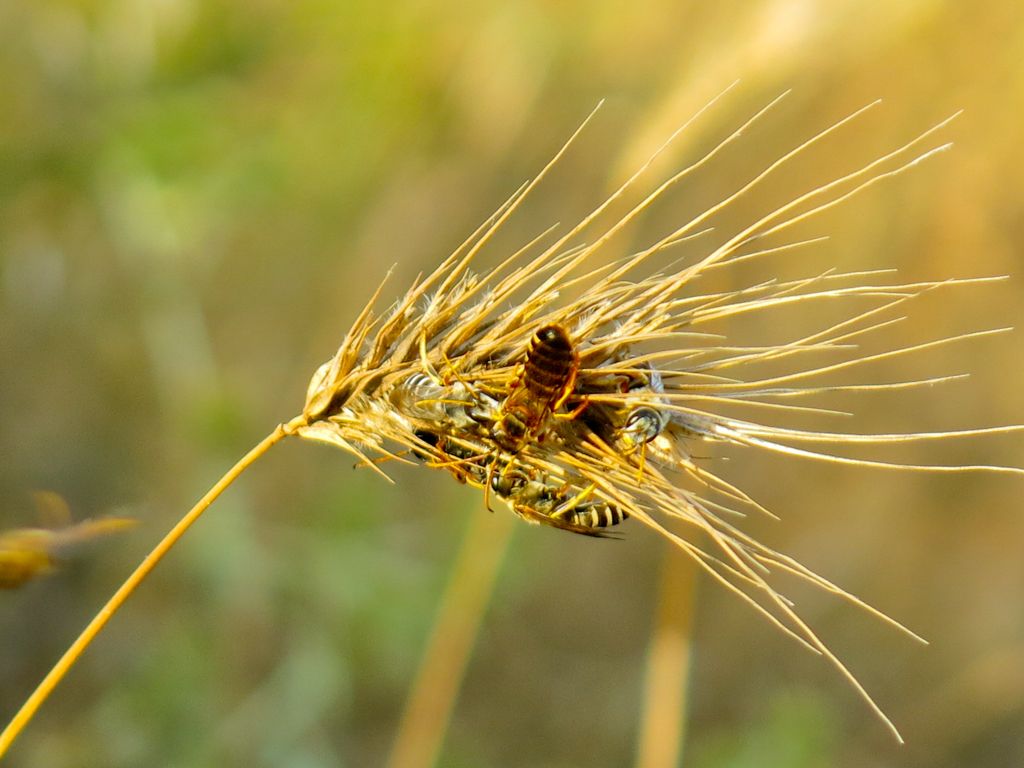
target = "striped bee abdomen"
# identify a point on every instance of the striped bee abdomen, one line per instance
(548, 500)
(551, 364)
(596, 514)
(545, 381)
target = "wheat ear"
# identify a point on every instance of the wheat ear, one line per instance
(428, 380)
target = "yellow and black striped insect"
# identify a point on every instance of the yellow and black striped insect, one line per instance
(537, 495)
(541, 497)
(427, 400)
(545, 382)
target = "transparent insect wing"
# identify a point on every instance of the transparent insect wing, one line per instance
(543, 497)
(485, 409)
(425, 399)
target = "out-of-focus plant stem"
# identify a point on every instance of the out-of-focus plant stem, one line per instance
(432, 697)
(663, 724)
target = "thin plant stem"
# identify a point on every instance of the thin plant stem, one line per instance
(99, 621)
(432, 697)
(663, 724)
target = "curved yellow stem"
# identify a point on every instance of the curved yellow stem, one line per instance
(99, 621)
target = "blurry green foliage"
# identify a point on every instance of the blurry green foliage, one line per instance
(196, 196)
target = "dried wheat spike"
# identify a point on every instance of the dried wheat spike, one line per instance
(431, 380)
(429, 376)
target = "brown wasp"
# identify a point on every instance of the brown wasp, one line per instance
(540, 497)
(545, 381)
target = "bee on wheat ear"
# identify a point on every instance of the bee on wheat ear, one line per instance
(542, 386)
(574, 387)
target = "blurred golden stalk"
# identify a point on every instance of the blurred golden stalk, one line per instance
(428, 709)
(663, 719)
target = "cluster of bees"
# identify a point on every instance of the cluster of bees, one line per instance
(507, 440)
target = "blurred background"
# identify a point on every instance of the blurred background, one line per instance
(197, 197)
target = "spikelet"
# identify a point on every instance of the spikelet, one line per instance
(428, 377)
